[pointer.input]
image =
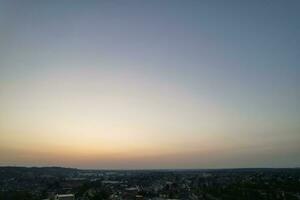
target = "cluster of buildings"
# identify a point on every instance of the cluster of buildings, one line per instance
(73, 184)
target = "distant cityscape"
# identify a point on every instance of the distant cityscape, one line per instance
(55, 183)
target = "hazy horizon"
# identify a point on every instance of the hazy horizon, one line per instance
(146, 169)
(150, 84)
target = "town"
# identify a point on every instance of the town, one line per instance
(55, 183)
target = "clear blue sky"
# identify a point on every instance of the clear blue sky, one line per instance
(150, 84)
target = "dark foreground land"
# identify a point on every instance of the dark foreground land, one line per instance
(20, 183)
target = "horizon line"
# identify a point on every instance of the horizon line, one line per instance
(147, 169)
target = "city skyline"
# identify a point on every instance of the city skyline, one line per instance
(150, 84)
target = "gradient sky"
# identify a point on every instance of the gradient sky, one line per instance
(150, 84)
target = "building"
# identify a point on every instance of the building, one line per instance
(64, 197)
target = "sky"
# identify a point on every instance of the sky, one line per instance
(154, 84)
